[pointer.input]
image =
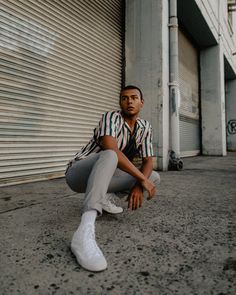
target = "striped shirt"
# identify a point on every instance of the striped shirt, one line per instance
(113, 124)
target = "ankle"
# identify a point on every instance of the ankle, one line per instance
(89, 217)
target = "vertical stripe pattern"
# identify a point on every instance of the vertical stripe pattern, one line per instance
(113, 124)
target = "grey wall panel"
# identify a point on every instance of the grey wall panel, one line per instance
(189, 137)
(189, 91)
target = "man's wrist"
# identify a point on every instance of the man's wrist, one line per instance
(139, 185)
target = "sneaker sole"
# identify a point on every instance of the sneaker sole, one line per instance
(84, 267)
(112, 212)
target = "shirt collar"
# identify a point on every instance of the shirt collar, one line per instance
(139, 124)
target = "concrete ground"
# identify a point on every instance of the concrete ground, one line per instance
(182, 242)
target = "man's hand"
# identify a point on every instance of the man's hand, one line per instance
(150, 187)
(135, 198)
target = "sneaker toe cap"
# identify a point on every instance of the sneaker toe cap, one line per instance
(96, 264)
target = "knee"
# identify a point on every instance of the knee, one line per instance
(71, 180)
(155, 177)
(110, 155)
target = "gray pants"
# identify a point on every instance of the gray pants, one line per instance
(98, 174)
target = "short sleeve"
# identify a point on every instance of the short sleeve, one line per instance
(146, 146)
(108, 124)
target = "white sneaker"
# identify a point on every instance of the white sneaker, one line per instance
(86, 250)
(109, 206)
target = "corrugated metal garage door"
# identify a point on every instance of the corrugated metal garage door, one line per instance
(61, 65)
(189, 91)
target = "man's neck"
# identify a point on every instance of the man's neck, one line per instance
(131, 121)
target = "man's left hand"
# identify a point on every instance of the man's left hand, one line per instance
(135, 198)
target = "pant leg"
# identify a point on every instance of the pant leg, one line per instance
(92, 176)
(98, 174)
(77, 175)
(123, 181)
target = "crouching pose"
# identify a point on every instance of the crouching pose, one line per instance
(104, 167)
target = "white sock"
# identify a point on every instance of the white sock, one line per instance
(88, 217)
(87, 221)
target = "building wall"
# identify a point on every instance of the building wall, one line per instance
(217, 67)
(231, 114)
(215, 13)
(209, 10)
(218, 90)
(213, 101)
(146, 47)
(147, 64)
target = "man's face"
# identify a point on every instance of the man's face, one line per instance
(130, 102)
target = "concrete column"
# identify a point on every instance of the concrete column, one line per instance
(213, 101)
(174, 83)
(231, 114)
(146, 49)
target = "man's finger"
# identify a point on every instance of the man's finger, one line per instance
(137, 202)
(134, 202)
(130, 202)
(140, 200)
(152, 195)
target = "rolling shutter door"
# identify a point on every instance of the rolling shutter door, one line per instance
(60, 68)
(189, 91)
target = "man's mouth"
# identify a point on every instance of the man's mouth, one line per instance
(130, 108)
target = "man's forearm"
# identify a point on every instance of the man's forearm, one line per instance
(147, 167)
(127, 166)
(108, 142)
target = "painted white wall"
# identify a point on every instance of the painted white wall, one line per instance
(147, 66)
(228, 35)
(209, 10)
(213, 101)
(215, 13)
(234, 25)
(146, 50)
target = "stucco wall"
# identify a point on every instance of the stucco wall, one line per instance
(146, 47)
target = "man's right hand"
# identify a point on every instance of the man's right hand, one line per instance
(149, 187)
(109, 142)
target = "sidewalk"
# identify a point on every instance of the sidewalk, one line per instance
(182, 242)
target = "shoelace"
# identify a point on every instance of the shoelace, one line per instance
(89, 243)
(111, 201)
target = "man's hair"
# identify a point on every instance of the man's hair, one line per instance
(132, 87)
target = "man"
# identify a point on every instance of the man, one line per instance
(104, 167)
